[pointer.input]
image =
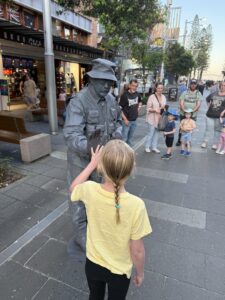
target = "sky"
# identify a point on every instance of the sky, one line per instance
(214, 14)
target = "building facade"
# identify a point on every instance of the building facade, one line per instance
(22, 46)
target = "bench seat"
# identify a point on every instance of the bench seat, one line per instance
(13, 137)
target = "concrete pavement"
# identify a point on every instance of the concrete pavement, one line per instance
(185, 255)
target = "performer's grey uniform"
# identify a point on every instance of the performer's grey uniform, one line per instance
(87, 115)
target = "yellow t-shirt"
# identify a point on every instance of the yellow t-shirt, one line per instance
(108, 243)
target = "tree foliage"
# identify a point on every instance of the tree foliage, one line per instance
(200, 45)
(123, 20)
(146, 57)
(178, 61)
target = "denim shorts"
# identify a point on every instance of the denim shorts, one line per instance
(186, 137)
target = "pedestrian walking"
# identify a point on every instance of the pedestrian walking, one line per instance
(216, 105)
(191, 99)
(130, 102)
(187, 125)
(117, 222)
(155, 108)
(221, 143)
(92, 117)
(29, 91)
(169, 132)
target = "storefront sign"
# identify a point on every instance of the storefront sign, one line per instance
(77, 51)
(11, 36)
(15, 37)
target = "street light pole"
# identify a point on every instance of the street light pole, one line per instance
(50, 67)
(169, 3)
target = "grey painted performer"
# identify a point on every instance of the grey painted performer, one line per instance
(93, 117)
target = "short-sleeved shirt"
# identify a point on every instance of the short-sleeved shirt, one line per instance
(129, 103)
(217, 105)
(170, 127)
(190, 99)
(187, 125)
(108, 243)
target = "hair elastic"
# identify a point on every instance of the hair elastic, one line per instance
(117, 205)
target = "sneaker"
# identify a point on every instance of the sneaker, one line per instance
(222, 152)
(147, 150)
(188, 153)
(214, 147)
(178, 143)
(156, 150)
(166, 156)
(182, 152)
(204, 145)
(218, 151)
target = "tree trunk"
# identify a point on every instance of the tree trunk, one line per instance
(201, 72)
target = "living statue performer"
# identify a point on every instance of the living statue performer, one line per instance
(92, 117)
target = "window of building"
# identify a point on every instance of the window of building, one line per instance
(29, 19)
(67, 33)
(40, 22)
(56, 28)
(1, 11)
(75, 35)
(14, 13)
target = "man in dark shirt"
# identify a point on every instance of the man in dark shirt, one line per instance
(129, 102)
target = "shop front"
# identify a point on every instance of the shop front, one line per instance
(14, 70)
(22, 52)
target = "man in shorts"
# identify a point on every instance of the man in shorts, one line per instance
(191, 99)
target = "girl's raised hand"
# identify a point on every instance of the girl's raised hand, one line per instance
(95, 155)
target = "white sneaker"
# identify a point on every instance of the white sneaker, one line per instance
(222, 152)
(147, 150)
(218, 151)
(156, 150)
(204, 145)
(214, 147)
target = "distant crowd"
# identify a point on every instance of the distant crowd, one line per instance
(160, 118)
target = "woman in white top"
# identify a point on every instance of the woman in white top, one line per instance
(155, 105)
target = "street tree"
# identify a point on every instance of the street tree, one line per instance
(124, 21)
(178, 61)
(146, 57)
(200, 44)
(195, 32)
(204, 46)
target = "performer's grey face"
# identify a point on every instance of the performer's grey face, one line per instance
(101, 86)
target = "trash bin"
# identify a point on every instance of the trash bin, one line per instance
(172, 95)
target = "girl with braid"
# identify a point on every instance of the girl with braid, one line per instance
(117, 222)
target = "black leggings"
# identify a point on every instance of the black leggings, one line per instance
(98, 277)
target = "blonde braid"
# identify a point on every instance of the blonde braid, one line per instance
(117, 204)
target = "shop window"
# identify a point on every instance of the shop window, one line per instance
(67, 33)
(14, 13)
(29, 19)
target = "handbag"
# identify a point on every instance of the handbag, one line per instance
(162, 122)
(163, 119)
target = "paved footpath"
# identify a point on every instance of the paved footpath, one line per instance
(185, 255)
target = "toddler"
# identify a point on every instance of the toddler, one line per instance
(169, 132)
(186, 126)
